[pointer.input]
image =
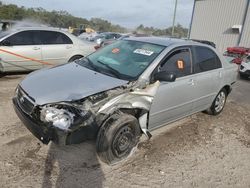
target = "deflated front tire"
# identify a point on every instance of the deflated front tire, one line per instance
(117, 137)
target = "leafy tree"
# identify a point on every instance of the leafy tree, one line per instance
(180, 31)
(63, 19)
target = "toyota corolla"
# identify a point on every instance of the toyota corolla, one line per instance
(122, 91)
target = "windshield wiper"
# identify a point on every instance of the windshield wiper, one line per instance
(91, 64)
(113, 71)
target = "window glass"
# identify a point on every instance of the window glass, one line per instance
(178, 62)
(117, 36)
(127, 58)
(109, 36)
(22, 38)
(205, 60)
(52, 37)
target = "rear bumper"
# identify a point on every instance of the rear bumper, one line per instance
(47, 133)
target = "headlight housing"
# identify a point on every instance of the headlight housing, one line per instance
(60, 118)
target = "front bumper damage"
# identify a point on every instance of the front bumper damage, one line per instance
(46, 133)
(136, 101)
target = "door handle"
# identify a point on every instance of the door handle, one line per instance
(36, 48)
(191, 82)
(220, 74)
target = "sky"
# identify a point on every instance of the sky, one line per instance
(127, 13)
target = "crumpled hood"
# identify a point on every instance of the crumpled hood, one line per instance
(66, 83)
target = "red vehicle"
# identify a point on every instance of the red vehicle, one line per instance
(238, 52)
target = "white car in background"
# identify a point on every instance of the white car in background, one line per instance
(30, 48)
(245, 68)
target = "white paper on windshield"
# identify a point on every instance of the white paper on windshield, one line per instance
(143, 52)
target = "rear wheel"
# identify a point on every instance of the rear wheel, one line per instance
(74, 58)
(2, 74)
(218, 103)
(117, 137)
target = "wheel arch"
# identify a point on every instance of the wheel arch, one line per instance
(140, 114)
(77, 56)
(227, 88)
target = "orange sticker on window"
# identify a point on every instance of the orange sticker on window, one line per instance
(180, 64)
(115, 50)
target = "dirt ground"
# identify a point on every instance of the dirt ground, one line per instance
(199, 151)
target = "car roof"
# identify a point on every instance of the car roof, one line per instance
(163, 41)
(156, 40)
(35, 28)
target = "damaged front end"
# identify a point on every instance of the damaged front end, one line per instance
(76, 121)
(138, 100)
(71, 122)
(62, 123)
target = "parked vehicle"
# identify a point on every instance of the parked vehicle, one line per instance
(239, 53)
(89, 36)
(107, 42)
(99, 39)
(110, 41)
(127, 88)
(27, 48)
(6, 24)
(245, 68)
(238, 50)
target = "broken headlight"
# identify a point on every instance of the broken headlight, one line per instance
(61, 117)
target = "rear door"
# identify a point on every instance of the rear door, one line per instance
(22, 51)
(208, 75)
(57, 47)
(174, 100)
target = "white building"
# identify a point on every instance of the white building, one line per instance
(224, 22)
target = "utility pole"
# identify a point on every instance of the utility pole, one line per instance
(176, 1)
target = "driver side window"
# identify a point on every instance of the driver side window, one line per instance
(21, 38)
(178, 63)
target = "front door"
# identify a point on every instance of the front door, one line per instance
(174, 100)
(22, 52)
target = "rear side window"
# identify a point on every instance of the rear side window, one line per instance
(53, 37)
(178, 62)
(205, 60)
(24, 38)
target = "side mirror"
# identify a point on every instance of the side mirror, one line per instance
(165, 76)
(5, 43)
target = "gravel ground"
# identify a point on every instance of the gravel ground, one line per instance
(199, 151)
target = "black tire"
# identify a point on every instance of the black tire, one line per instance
(2, 74)
(218, 103)
(117, 137)
(74, 58)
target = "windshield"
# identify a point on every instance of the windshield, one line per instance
(124, 59)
